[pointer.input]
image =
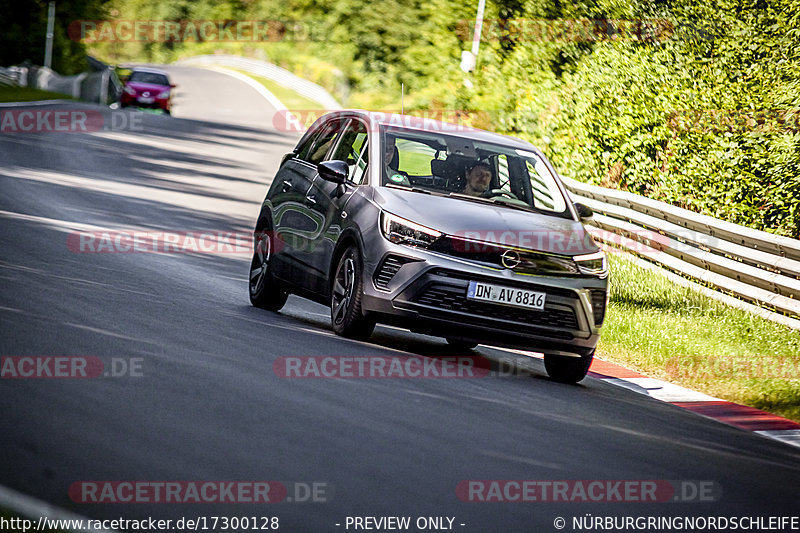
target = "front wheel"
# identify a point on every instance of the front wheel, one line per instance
(265, 291)
(567, 369)
(347, 317)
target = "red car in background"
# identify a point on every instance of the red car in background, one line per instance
(147, 87)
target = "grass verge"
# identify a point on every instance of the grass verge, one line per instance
(291, 99)
(679, 335)
(27, 94)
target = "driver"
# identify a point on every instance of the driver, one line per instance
(479, 178)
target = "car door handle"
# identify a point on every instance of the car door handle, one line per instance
(286, 185)
(311, 200)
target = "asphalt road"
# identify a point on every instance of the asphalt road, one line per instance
(208, 405)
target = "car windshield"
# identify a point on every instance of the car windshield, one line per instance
(470, 170)
(149, 77)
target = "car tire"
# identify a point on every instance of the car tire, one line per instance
(567, 369)
(347, 317)
(265, 291)
(459, 344)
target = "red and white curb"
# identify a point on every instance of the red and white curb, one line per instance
(741, 416)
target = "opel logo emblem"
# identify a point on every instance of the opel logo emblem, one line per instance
(510, 259)
(145, 93)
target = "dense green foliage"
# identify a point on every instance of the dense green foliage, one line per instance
(25, 28)
(699, 110)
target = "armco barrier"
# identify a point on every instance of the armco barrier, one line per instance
(752, 265)
(101, 85)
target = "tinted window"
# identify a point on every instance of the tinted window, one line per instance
(322, 143)
(460, 167)
(149, 77)
(353, 150)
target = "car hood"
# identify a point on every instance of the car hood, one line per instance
(475, 221)
(152, 87)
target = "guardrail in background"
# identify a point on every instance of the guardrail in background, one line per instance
(753, 265)
(272, 72)
(101, 85)
(10, 76)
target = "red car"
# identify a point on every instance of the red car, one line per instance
(148, 87)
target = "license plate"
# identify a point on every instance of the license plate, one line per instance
(146, 99)
(498, 294)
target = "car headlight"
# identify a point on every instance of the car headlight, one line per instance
(592, 264)
(401, 231)
(164, 94)
(130, 91)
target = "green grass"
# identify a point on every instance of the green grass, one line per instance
(675, 333)
(26, 94)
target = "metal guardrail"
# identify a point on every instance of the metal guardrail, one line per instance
(272, 72)
(10, 76)
(101, 85)
(753, 265)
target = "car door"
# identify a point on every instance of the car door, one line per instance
(296, 225)
(327, 200)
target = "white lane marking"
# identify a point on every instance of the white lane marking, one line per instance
(787, 436)
(35, 509)
(62, 224)
(661, 390)
(263, 91)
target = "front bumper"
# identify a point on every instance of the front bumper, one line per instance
(426, 292)
(133, 101)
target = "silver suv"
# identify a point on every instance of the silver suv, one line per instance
(441, 229)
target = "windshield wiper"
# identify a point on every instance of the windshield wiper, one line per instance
(497, 200)
(515, 203)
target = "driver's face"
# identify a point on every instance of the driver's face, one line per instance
(478, 180)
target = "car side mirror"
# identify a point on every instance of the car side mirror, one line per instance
(335, 171)
(585, 212)
(172, 85)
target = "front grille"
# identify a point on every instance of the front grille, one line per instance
(526, 261)
(454, 299)
(388, 269)
(598, 305)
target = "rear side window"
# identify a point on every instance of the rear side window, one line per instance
(545, 192)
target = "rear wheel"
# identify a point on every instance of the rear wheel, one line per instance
(567, 369)
(265, 291)
(347, 317)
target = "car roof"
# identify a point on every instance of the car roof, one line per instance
(376, 119)
(149, 69)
